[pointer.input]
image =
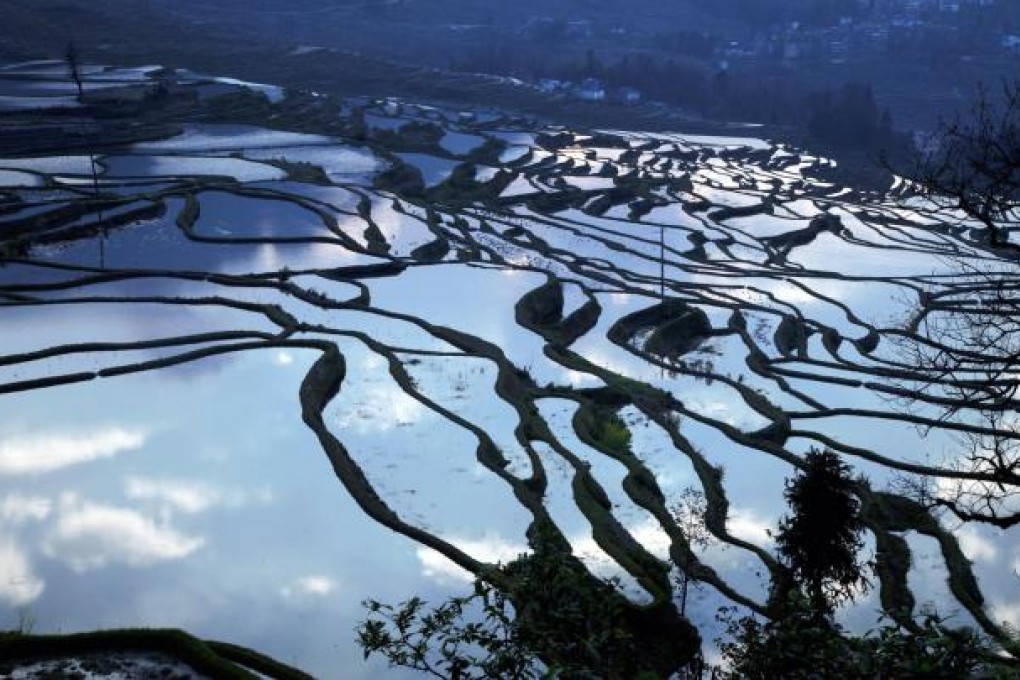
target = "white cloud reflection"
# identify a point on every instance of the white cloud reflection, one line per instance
(491, 549)
(47, 453)
(976, 547)
(1007, 613)
(746, 524)
(90, 536)
(191, 497)
(313, 586)
(19, 585)
(17, 509)
(381, 408)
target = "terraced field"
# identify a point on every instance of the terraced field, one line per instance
(483, 327)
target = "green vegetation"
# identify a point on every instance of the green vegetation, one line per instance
(401, 178)
(600, 425)
(300, 171)
(419, 136)
(461, 188)
(240, 103)
(11, 250)
(612, 432)
(541, 615)
(798, 646)
(544, 616)
(820, 544)
(674, 327)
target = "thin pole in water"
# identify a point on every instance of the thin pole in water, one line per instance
(662, 262)
(662, 278)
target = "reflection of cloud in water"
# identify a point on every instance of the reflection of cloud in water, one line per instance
(746, 524)
(491, 549)
(189, 496)
(47, 453)
(719, 410)
(89, 536)
(17, 509)
(380, 408)
(494, 549)
(576, 378)
(306, 587)
(268, 257)
(1007, 613)
(648, 533)
(975, 547)
(19, 585)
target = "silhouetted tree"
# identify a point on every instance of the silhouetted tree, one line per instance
(820, 543)
(540, 610)
(964, 339)
(800, 647)
(689, 514)
(972, 165)
(821, 539)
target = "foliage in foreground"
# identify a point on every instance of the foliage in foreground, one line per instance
(443, 643)
(440, 642)
(801, 645)
(544, 616)
(548, 617)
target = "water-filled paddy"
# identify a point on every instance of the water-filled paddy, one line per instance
(155, 463)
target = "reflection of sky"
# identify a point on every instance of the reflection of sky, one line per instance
(342, 164)
(559, 502)
(192, 521)
(414, 458)
(466, 386)
(204, 138)
(57, 325)
(434, 170)
(262, 218)
(607, 472)
(402, 232)
(477, 300)
(44, 453)
(160, 244)
(166, 499)
(180, 166)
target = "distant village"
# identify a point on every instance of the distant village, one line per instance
(939, 27)
(879, 26)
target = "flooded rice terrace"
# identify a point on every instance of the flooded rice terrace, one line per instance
(249, 378)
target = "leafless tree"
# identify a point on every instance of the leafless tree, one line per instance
(963, 340)
(973, 165)
(689, 514)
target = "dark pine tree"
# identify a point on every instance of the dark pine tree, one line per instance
(821, 539)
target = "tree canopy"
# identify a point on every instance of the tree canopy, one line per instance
(821, 539)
